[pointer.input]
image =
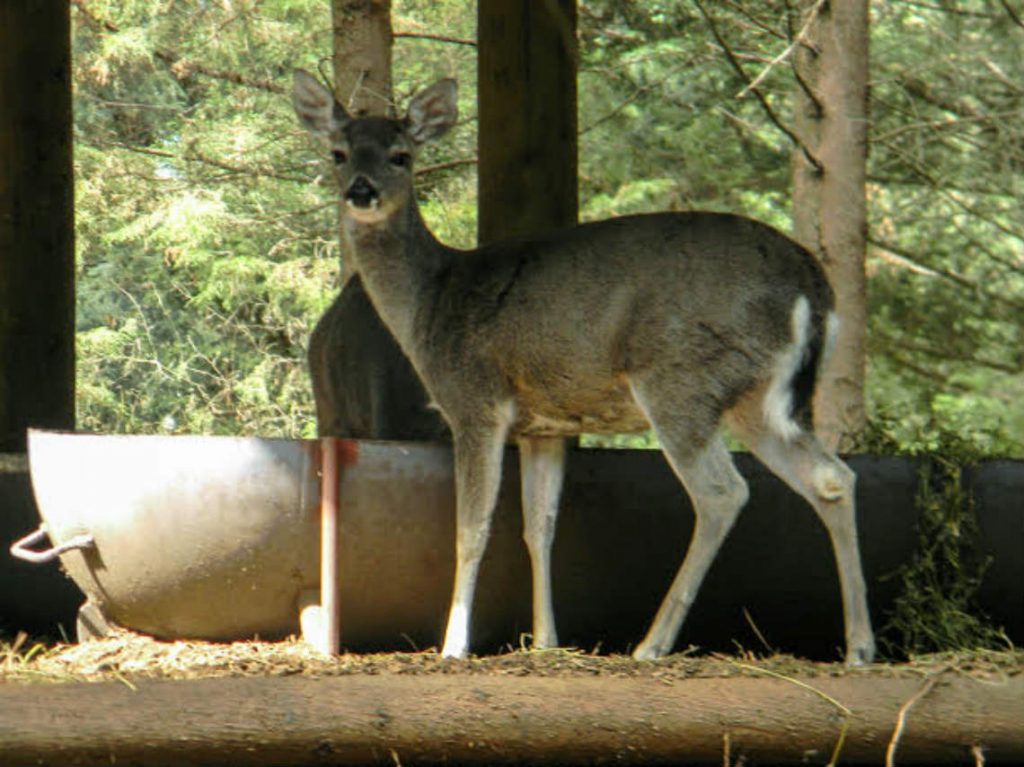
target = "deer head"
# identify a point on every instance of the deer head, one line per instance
(373, 156)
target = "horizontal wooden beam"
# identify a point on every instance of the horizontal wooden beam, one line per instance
(476, 719)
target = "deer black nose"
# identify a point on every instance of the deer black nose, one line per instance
(361, 193)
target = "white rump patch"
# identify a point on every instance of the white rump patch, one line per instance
(778, 401)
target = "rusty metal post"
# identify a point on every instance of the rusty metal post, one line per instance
(329, 546)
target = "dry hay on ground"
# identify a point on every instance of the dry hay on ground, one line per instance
(125, 655)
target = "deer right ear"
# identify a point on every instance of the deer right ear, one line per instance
(317, 109)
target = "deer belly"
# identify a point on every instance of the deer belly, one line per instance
(607, 411)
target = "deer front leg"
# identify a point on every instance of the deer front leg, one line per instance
(478, 453)
(541, 466)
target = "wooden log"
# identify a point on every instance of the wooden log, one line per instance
(477, 719)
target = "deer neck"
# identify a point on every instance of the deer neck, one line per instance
(399, 261)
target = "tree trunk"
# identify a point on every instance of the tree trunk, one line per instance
(362, 62)
(527, 113)
(362, 55)
(480, 719)
(829, 207)
(363, 384)
(37, 258)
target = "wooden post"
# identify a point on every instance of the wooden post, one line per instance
(37, 301)
(527, 116)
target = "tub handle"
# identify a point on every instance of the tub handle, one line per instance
(21, 548)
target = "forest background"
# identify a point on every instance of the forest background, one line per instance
(206, 224)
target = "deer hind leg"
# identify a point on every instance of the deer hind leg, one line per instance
(542, 466)
(700, 460)
(827, 483)
(479, 449)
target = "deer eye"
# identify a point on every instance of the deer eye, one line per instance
(339, 156)
(400, 159)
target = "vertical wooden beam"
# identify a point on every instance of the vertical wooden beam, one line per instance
(527, 116)
(37, 302)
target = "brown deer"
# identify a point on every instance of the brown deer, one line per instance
(678, 321)
(363, 385)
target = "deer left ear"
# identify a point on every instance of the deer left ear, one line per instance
(433, 111)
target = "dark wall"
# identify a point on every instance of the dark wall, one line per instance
(39, 599)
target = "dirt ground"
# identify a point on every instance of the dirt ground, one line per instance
(126, 655)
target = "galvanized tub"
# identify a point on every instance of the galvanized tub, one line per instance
(217, 537)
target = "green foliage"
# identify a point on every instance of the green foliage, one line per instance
(206, 222)
(937, 608)
(205, 215)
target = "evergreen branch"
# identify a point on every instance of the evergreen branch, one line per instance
(193, 155)
(179, 67)
(182, 68)
(921, 372)
(637, 93)
(1014, 265)
(953, 11)
(943, 189)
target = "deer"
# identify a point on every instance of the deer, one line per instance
(686, 323)
(363, 385)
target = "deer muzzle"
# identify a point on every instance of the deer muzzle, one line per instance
(361, 193)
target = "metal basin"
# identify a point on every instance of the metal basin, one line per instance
(217, 537)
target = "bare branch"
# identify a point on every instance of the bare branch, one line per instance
(797, 40)
(776, 121)
(1014, 15)
(446, 165)
(947, 274)
(436, 38)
